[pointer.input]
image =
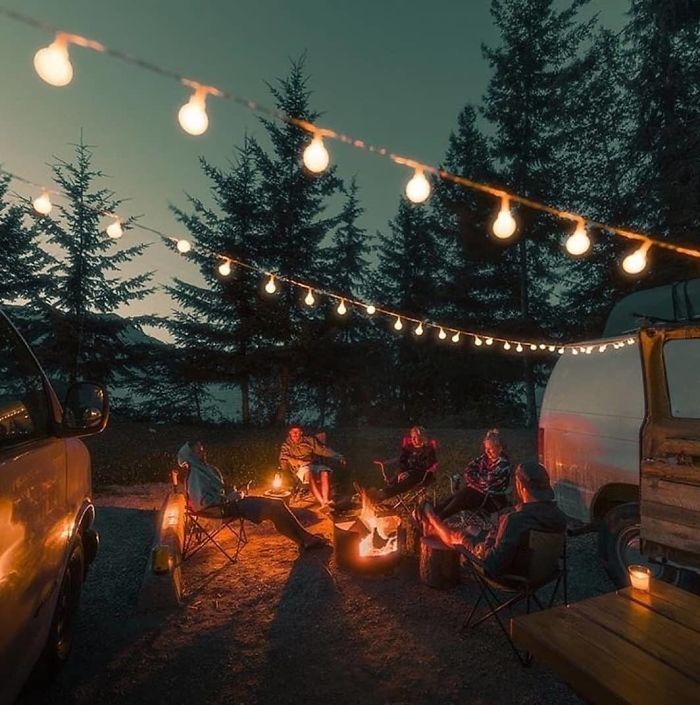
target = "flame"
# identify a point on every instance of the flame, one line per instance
(277, 482)
(382, 532)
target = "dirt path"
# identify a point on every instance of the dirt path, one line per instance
(278, 628)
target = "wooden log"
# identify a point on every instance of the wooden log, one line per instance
(438, 564)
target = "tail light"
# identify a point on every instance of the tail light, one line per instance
(540, 444)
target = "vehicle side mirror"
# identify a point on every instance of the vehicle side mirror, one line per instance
(85, 410)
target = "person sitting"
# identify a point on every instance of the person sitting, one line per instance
(417, 459)
(207, 493)
(486, 481)
(299, 453)
(498, 549)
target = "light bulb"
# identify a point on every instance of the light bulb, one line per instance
(271, 287)
(533, 346)
(477, 340)
(602, 348)
(504, 225)
(455, 337)
(489, 341)
(578, 243)
(542, 346)
(114, 230)
(398, 325)
(42, 204)
(506, 345)
(192, 116)
(631, 341)
(418, 188)
(183, 246)
(371, 310)
(309, 300)
(551, 348)
(225, 268)
(342, 310)
(419, 329)
(316, 157)
(574, 351)
(561, 351)
(637, 261)
(442, 335)
(519, 348)
(53, 63)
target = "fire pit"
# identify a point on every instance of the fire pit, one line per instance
(369, 542)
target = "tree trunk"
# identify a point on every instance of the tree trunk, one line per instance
(439, 564)
(531, 413)
(282, 410)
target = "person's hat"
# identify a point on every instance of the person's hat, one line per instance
(536, 480)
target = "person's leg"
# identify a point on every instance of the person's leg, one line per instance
(436, 527)
(258, 509)
(401, 486)
(466, 498)
(325, 486)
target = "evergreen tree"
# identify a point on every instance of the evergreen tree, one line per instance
(533, 66)
(87, 339)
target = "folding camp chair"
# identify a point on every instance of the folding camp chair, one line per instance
(481, 518)
(207, 526)
(541, 561)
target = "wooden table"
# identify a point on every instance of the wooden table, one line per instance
(626, 647)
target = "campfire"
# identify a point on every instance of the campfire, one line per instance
(369, 542)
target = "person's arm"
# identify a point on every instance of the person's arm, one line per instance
(324, 451)
(284, 459)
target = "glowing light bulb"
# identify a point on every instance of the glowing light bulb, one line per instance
(578, 243)
(489, 341)
(398, 325)
(631, 341)
(316, 157)
(602, 348)
(561, 351)
(506, 345)
(52, 63)
(342, 310)
(504, 225)
(533, 346)
(183, 246)
(519, 348)
(542, 346)
(192, 116)
(636, 262)
(271, 287)
(574, 351)
(418, 188)
(455, 337)
(371, 310)
(442, 335)
(225, 268)
(551, 348)
(477, 341)
(42, 204)
(419, 329)
(309, 300)
(114, 230)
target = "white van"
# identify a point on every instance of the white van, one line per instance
(619, 432)
(47, 538)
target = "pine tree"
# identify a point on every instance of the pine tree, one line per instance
(218, 322)
(294, 229)
(88, 338)
(534, 65)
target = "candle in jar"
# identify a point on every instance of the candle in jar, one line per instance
(277, 482)
(639, 577)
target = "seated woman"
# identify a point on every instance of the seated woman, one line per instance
(417, 458)
(207, 494)
(487, 479)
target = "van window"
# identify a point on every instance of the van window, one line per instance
(682, 361)
(24, 406)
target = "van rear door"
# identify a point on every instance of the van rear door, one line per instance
(670, 466)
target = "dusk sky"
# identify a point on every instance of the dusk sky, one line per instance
(392, 73)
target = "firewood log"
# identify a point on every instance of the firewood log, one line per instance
(438, 564)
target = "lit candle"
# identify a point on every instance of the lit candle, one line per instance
(639, 577)
(277, 482)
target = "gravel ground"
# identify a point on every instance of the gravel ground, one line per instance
(279, 628)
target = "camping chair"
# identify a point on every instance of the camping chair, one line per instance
(541, 560)
(205, 526)
(301, 491)
(480, 518)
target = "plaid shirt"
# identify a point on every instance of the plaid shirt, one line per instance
(488, 475)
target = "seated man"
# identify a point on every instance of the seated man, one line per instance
(207, 493)
(498, 550)
(417, 458)
(299, 453)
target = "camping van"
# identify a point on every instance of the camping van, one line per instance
(619, 432)
(47, 539)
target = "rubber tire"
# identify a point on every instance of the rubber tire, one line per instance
(60, 640)
(619, 525)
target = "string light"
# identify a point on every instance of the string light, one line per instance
(114, 229)
(504, 225)
(519, 348)
(316, 157)
(506, 345)
(225, 268)
(578, 243)
(419, 329)
(342, 310)
(42, 204)
(192, 116)
(398, 325)
(184, 246)
(489, 341)
(561, 351)
(309, 300)
(271, 287)
(455, 337)
(52, 63)
(477, 341)
(636, 262)
(418, 188)
(371, 310)
(442, 335)
(533, 347)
